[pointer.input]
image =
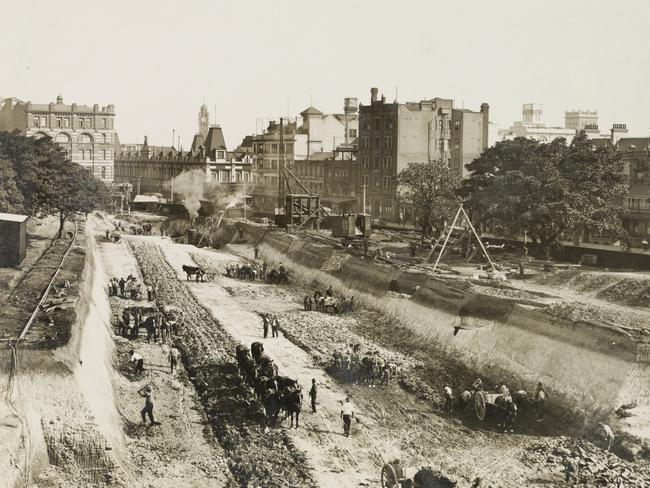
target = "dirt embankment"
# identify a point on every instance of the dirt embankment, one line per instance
(254, 458)
(182, 450)
(585, 368)
(620, 288)
(409, 420)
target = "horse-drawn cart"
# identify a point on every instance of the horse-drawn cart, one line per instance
(392, 476)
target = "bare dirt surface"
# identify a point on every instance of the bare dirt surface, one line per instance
(181, 451)
(254, 457)
(393, 421)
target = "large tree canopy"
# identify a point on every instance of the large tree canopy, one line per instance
(430, 187)
(549, 190)
(36, 178)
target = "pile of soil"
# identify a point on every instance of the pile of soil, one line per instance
(597, 466)
(618, 288)
(255, 458)
(589, 312)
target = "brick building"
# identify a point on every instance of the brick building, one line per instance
(86, 134)
(317, 134)
(392, 135)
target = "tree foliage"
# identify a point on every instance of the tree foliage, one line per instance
(551, 191)
(430, 187)
(40, 180)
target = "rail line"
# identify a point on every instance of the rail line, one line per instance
(12, 383)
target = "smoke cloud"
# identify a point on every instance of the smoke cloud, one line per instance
(193, 187)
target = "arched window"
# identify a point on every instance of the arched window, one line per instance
(85, 139)
(103, 171)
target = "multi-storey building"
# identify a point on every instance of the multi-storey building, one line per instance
(285, 142)
(86, 134)
(532, 127)
(392, 135)
(150, 169)
(636, 157)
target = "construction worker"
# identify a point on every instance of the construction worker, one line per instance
(609, 435)
(347, 414)
(257, 252)
(571, 469)
(540, 401)
(275, 326)
(312, 395)
(174, 357)
(449, 399)
(265, 324)
(147, 393)
(139, 362)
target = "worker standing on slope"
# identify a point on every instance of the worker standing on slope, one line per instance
(147, 393)
(275, 326)
(265, 324)
(174, 356)
(540, 401)
(347, 414)
(312, 395)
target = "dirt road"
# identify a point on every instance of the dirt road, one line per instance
(393, 422)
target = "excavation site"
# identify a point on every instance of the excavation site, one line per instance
(145, 350)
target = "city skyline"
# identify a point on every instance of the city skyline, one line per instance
(304, 58)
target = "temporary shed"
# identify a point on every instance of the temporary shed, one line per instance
(13, 239)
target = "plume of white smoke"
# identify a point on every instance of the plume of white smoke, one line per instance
(193, 187)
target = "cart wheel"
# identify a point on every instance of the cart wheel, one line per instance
(388, 476)
(479, 405)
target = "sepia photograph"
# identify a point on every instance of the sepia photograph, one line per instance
(340, 244)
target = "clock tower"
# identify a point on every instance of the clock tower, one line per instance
(204, 120)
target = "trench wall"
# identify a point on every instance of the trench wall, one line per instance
(66, 395)
(590, 369)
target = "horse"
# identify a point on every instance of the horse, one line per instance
(264, 383)
(464, 399)
(267, 367)
(292, 403)
(285, 382)
(506, 411)
(272, 404)
(193, 270)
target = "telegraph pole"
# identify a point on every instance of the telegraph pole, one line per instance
(364, 198)
(281, 167)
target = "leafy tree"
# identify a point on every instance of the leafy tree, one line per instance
(11, 199)
(50, 183)
(430, 187)
(549, 190)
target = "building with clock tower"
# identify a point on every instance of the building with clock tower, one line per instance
(204, 120)
(204, 125)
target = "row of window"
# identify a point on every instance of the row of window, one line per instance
(388, 124)
(82, 123)
(388, 143)
(87, 154)
(385, 181)
(272, 148)
(386, 162)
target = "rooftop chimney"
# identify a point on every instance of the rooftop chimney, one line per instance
(373, 94)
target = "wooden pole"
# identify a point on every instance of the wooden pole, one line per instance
(478, 238)
(451, 228)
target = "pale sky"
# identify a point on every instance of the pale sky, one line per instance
(156, 61)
